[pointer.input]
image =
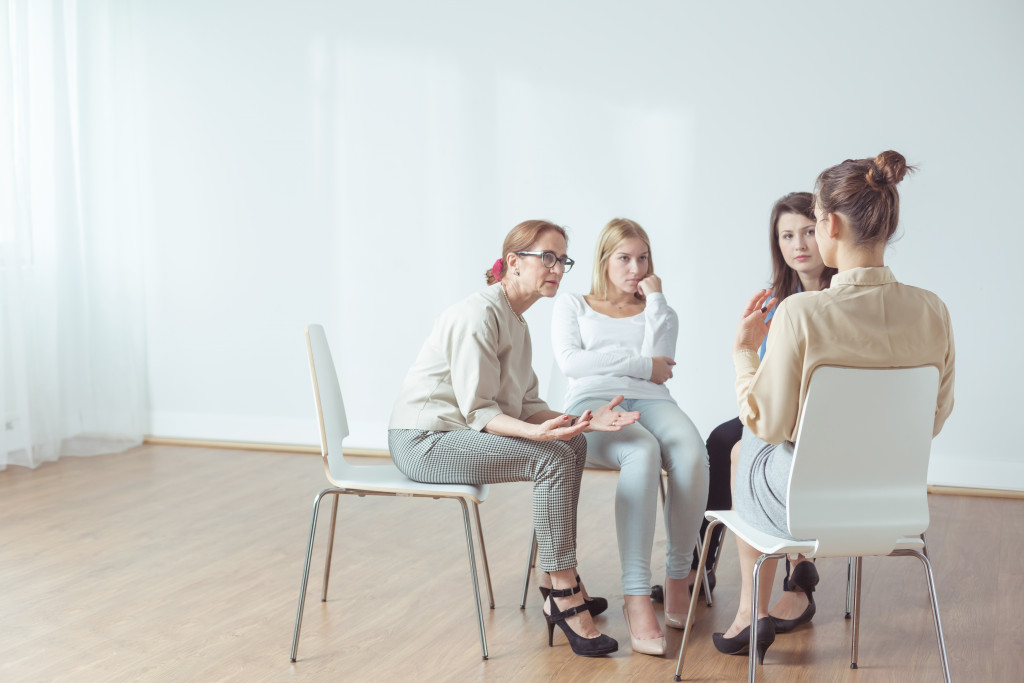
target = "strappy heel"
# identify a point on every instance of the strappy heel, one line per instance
(596, 605)
(582, 646)
(739, 644)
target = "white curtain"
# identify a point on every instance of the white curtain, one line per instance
(72, 325)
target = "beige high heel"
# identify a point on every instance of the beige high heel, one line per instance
(675, 620)
(645, 646)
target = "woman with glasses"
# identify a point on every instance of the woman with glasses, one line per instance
(469, 413)
(620, 340)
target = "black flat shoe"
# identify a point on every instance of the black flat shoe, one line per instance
(594, 605)
(803, 579)
(787, 625)
(658, 592)
(739, 644)
(584, 647)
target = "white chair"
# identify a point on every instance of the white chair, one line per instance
(370, 480)
(858, 485)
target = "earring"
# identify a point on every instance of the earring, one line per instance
(517, 273)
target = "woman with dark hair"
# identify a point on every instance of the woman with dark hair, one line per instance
(469, 413)
(796, 267)
(865, 319)
(620, 339)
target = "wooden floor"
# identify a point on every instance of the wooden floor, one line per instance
(183, 564)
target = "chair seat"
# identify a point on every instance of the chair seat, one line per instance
(771, 544)
(386, 478)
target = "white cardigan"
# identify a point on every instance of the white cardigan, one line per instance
(603, 356)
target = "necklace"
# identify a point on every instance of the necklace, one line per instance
(504, 295)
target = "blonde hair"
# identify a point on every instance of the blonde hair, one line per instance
(612, 235)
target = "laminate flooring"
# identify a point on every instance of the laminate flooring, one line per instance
(169, 563)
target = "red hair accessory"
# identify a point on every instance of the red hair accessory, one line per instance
(496, 268)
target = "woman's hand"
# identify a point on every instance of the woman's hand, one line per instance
(561, 428)
(753, 328)
(661, 369)
(605, 419)
(649, 285)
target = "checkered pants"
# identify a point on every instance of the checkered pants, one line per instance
(466, 456)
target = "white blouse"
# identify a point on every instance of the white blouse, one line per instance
(603, 356)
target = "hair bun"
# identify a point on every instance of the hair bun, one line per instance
(888, 168)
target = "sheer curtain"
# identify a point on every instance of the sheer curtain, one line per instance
(72, 326)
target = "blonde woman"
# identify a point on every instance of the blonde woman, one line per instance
(620, 340)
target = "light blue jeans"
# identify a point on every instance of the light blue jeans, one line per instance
(663, 439)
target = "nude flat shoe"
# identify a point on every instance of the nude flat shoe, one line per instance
(645, 646)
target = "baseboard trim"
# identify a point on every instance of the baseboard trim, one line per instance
(265, 447)
(381, 453)
(980, 493)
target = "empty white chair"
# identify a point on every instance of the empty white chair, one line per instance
(858, 485)
(375, 480)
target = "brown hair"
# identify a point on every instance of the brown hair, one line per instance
(785, 280)
(612, 235)
(521, 238)
(864, 192)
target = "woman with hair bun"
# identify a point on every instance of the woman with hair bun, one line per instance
(621, 339)
(469, 413)
(865, 319)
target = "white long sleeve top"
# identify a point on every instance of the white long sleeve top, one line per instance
(603, 357)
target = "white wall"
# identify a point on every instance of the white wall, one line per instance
(358, 164)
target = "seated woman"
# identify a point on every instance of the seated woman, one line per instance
(620, 340)
(796, 267)
(865, 319)
(469, 413)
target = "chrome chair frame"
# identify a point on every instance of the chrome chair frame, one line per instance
(381, 480)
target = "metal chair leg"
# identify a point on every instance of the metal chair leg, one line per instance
(930, 575)
(707, 584)
(330, 548)
(693, 598)
(472, 572)
(849, 586)
(857, 571)
(305, 570)
(531, 562)
(483, 552)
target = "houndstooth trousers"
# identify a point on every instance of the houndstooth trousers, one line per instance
(466, 456)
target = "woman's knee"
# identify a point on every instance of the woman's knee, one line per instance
(560, 457)
(641, 456)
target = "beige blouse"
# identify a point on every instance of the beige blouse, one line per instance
(475, 365)
(865, 319)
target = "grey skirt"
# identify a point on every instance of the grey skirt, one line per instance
(762, 484)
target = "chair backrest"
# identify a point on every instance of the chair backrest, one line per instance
(330, 407)
(860, 464)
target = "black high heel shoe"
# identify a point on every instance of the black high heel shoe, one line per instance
(739, 644)
(584, 647)
(804, 578)
(595, 605)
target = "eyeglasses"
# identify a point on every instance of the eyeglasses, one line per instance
(548, 259)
